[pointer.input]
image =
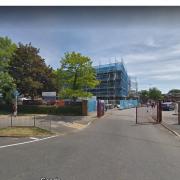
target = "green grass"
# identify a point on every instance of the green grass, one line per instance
(23, 132)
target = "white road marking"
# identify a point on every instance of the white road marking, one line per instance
(27, 142)
(33, 138)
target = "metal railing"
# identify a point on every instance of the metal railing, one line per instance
(25, 121)
(149, 114)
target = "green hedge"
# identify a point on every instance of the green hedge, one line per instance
(5, 109)
(43, 109)
(53, 110)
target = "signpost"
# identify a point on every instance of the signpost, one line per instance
(49, 96)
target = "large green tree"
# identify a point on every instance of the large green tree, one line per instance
(144, 96)
(7, 49)
(174, 91)
(76, 76)
(7, 85)
(155, 94)
(30, 72)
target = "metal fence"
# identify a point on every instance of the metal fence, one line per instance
(149, 114)
(172, 117)
(25, 121)
(125, 104)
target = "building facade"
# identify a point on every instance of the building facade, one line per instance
(114, 82)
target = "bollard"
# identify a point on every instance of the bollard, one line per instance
(11, 120)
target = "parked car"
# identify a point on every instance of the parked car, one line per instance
(167, 106)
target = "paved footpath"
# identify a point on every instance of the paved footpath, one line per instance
(112, 148)
(170, 120)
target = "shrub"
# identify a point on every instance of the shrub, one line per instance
(53, 110)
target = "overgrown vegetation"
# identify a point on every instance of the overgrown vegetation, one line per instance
(43, 109)
(151, 94)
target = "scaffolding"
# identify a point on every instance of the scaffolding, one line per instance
(133, 86)
(113, 82)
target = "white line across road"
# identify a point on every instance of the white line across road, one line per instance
(27, 142)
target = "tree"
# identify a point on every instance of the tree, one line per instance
(144, 96)
(174, 91)
(76, 76)
(7, 49)
(30, 72)
(7, 85)
(155, 94)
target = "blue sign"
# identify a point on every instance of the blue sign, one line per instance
(16, 93)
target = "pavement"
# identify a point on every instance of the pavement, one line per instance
(110, 148)
(59, 125)
(170, 121)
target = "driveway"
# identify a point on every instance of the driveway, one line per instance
(112, 148)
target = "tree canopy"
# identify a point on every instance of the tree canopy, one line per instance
(7, 85)
(151, 94)
(155, 94)
(144, 96)
(7, 49)
(31, 74)
(174, 91)
(77, 75)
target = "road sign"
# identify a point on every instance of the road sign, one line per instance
(16, 93)
(49, 94)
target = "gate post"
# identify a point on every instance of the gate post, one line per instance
(98, 108)
(84, 107)
(159, 112)
(178, 113)
(136, 114)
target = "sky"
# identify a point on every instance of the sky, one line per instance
(146, 38)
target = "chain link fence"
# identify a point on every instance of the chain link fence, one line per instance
(25, 121)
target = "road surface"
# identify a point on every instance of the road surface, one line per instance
(112, 148)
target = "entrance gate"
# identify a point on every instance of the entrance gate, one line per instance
(149, 113)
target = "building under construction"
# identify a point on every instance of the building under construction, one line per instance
(114, 82)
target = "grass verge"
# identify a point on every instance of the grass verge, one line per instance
(23, 132)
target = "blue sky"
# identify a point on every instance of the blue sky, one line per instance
(147, 38)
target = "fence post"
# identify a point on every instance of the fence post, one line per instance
(136, 114)
(11, 120)
(34, 121)
(84, 107)
(178, 113)
(50, 125)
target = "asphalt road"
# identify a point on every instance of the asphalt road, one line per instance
(112, 148)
